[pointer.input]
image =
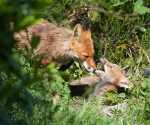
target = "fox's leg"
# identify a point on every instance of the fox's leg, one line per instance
(64, 67)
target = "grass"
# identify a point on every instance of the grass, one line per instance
(41, 110)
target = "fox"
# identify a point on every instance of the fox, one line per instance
(112, 78)
(59, 44)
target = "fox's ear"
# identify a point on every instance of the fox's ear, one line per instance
(85, 24)
(125, 70)
(125, 83)
(77, 31)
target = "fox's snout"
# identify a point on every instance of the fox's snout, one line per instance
(89, 68)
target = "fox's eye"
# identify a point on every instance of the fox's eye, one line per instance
(86, 56)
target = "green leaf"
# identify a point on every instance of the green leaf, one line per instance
(117, 4)
(107, 5)
(139, 2)
(143, 29)
(139, 8)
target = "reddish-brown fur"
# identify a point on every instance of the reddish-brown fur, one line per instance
(60, 44)
(111, 79)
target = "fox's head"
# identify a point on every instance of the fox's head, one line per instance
(113, 74)
(82, 46)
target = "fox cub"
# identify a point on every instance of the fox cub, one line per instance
(111, 79)
(60, 44)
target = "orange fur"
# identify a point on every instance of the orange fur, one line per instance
(60, 44)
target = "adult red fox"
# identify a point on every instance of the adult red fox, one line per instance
(60, 44)
(111, 79)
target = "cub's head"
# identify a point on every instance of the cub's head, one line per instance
(113, 74)
(82, 46)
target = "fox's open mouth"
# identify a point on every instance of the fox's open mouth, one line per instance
(98, 72)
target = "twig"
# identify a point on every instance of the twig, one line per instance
(146, 56)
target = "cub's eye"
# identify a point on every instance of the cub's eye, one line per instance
(111, 66)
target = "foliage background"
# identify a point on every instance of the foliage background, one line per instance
(121, 32)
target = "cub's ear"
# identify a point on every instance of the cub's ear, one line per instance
(125, 83)
(125, 70)
(77, 31)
